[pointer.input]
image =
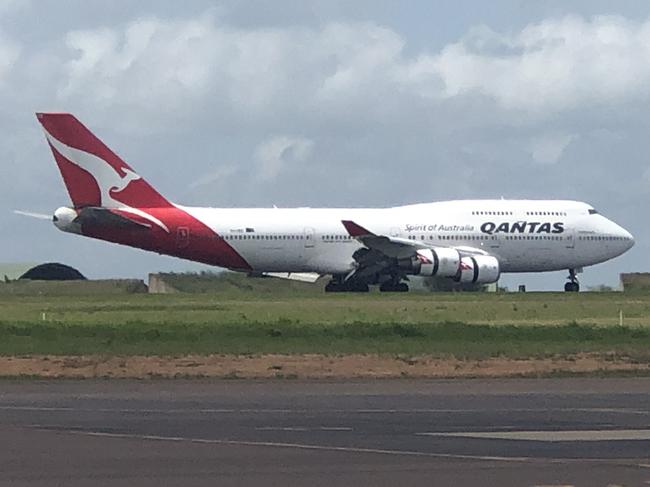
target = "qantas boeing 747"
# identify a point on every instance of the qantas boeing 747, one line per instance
(466, 241)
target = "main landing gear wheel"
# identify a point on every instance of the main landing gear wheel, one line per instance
(392, 287)
(346, 287)
(358, 287)
(402, 287)
(332, 287)
(573, 286)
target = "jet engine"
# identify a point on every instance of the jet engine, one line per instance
(437, 261)
(481, 269)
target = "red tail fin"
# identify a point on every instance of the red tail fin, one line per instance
(93, 174)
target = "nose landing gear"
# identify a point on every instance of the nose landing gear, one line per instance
(573, 286)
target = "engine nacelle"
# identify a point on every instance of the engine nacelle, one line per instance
(64, 219)
(480, 269)
(437, 261)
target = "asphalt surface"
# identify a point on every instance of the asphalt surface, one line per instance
(587, 432)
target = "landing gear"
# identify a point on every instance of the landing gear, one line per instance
(332, 287)
(337, 285)
(359, 287)
(573, 286)
(394, 287)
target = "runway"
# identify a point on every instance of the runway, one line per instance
(586, 432)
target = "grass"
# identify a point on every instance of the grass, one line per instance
(453, 338)
(462, 324)
(72, 289)
(417, 308)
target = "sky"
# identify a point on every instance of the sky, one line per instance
(331, 103)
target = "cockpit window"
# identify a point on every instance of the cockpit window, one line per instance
(592, 211)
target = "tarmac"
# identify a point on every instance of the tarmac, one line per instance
(532, 432)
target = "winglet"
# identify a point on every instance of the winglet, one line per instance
(355, 230)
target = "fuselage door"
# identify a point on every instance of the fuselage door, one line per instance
(308, 235)
(570, 238)
(182, 237)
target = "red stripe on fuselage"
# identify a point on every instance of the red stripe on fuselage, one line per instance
(188, 238)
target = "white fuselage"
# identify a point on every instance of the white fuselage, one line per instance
(524, 235)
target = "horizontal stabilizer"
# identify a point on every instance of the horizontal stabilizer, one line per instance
(108, 218)
(32, 214)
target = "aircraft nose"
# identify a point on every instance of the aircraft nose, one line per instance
(626, 237)
(629, 238)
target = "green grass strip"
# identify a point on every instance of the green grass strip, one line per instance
(285, 336)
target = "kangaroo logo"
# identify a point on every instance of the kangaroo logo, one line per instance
(109, 180)
(124, 180)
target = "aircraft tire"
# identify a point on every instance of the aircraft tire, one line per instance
(572, 287)
(387, 287)
(391, 287)
(360, 288)
(332, 287)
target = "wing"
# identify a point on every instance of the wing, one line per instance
(393, 247)
(382, 252)
(396, 247)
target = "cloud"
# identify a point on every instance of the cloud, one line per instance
(554, 65)
(217, 176)
(164, 70)
(276, 153)
(150, 63)
(12, 6)
(9, 55)
(548, 148)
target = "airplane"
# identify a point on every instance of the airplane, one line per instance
(467, 241)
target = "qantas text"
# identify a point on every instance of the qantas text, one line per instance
(522, 227)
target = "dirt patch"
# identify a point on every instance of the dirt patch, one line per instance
(309, 366)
